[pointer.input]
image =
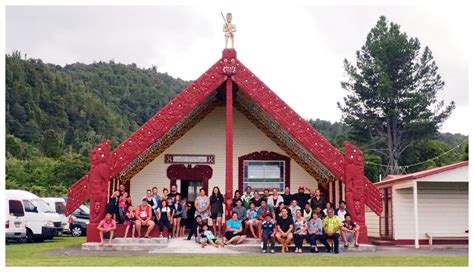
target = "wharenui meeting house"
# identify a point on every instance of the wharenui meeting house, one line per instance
(226, 129)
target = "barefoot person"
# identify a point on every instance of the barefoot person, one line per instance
(207, 237)
(233, 231)
(143, 218)
(130, 221)
(252, 220)
(107, 225)
(217, 210)
(285, 227)
(177, 215)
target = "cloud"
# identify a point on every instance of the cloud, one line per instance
(296, 51)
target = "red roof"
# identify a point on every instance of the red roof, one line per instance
(183, 105)
(399, 178)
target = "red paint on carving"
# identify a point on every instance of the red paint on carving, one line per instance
(360, 189)
(229, 146)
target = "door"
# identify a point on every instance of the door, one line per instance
(190, 189)
(386, 218)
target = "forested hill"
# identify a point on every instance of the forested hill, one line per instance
(55, 115)
(73, 107)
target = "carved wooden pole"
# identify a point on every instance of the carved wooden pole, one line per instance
(229, 154)
(355, 187)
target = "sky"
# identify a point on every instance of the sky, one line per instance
(298, 51)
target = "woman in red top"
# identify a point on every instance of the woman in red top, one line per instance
(124, 202)
(143, 218)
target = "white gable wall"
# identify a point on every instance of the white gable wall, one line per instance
(442, 208)
(208, 137)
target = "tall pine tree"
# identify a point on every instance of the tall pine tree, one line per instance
(392, 93)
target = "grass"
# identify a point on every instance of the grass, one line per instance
(34, 255)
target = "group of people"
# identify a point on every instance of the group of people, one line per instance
(285, 218)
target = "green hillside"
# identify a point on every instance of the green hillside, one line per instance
(56, 114)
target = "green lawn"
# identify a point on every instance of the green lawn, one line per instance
(33, 255)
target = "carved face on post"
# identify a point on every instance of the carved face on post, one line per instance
(229, 17)
(96, 209)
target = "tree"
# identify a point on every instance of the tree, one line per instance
(392, 93)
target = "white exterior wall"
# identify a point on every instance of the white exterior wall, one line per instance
(208, 137)
(442, 208)
(372, 222)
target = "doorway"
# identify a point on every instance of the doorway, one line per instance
(190, 190)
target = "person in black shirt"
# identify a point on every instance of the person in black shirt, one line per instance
(279, 208)
(196, 229)
(318, 201)
(236, 197)
(173, 193)
(301, 197)
(257, 200)
(266, 195)
(285, 227)
(112, 206)
(287, 197)
(217, 210)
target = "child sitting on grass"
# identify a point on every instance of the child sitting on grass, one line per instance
(208, 237)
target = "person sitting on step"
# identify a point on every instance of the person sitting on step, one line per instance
(350, 231)
(315, 230)
(143, 218)
(107, 225)
(285, 226)
(196, 229)
(300, 231)
(233, 232)
(331, 227)
(252, 220)
(208, 237)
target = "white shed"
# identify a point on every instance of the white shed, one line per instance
(423, 207)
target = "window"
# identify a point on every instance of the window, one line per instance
(29, 207)
(16, 208)
(60, 208)
(264, 174)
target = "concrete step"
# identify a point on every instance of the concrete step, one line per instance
(383, 242)
(92, 246)
(148, 241)
(306, 248)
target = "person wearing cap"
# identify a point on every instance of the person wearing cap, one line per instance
(268, 234)
(301, 197)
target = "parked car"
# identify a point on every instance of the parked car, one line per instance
(40, 221)
(58, 205)
(15, 227)
(78, 221)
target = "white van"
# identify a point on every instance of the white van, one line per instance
(41, 222)
(15, 228)
(58, 205)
